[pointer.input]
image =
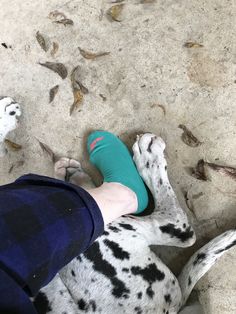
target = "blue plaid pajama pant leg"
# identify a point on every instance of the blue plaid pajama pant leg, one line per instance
(44, 224)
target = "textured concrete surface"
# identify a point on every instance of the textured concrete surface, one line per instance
(148, 67)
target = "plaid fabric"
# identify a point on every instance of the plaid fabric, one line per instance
(44, 224)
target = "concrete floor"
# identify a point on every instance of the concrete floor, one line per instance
(148, 67)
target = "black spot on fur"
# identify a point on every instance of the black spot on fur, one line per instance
(167, 298)
(73, 273)
(184, 225)
(150, 292)
(227, 247)
(139, 150)
(117, 251)
(177, 232)
(161, 182)
(149, 145)
(93, 305)
(127, 227)
(12, 113)
(125, 270)
(104, 267)
(82, 305)
(138, 310)
(150, 274)
(115, 229)
(106, 233)
(147, 164)
(41, 303)
(189, 281)
(165, 167)
(200, 257)
(79, 258)
(173, 282)
(139, 295)
(4, 45)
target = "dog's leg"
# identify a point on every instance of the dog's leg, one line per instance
(9, 111)
(169, 221)
(203, 260)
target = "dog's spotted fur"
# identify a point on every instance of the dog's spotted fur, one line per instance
(9, 111)
(119, 273)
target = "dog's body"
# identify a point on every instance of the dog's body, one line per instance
(9, 111)
(119, 273)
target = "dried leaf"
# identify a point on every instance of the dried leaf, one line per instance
(78, 98)
(65, 22)
(188, 137)
(59, 68)
(91, 55)
(191, 44)
(19, 163)
(75, 80)
(199, 171)
(41, 40)
(147, 1)
(52, 93)
(47, 150)
(13, 146)
(115, 11)
(225, 170)
(55, 47)
(117, 1)
(55, 14)
(103, 97)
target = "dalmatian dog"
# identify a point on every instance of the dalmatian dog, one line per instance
(9, 113)
(119, 273)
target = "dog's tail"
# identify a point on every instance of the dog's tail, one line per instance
(203, 260)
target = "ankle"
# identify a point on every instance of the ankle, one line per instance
(114, 200)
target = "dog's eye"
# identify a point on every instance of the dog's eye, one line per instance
(12, 113)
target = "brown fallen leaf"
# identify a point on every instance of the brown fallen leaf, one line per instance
(59, 68)
(147, 1)
(115, 11)
(199, 171)
(225, 170)
(52, 93)
(41, 40)
(13, 146)
(117, 1)
(47, 150)
(56, 14)
(188, 137)
(75, 80)
(91, 55)
(65, 22)
(191, 44)
(19, 163)
(103, 97)
(55, 47)
(78, 98)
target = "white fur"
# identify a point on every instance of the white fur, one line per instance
(9, 112)
(91, 282)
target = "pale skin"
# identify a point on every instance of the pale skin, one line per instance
(121, 199)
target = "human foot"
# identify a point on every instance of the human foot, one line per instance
(113, 159)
